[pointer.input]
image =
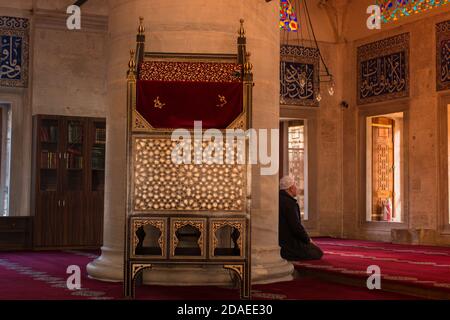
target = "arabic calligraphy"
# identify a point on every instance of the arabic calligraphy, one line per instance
(13, 51)
(445, 61)
(291, 86)
(383, 69)
(299, 75)
(10, 57)
(443, 55)
(383, 75)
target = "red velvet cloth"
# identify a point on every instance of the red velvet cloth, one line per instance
(186, 102)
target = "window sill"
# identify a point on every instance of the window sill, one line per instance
(383, 226)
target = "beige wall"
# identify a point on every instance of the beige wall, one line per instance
(98, 7)
(66, 77)
(339, 205)
(422, 139)
(69, 69)
(325, 141)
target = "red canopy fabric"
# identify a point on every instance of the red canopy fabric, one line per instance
(177, 104)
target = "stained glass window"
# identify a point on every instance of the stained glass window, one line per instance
(392, 10)
(288, 17)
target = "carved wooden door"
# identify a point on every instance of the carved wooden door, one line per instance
(382, 167)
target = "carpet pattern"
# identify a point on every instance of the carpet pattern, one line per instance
(424, 266)
(42, 276)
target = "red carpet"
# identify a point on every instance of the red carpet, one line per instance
(42, 276)
(421, 266)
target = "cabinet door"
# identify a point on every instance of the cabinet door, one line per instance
(74, 179)
(74, 153)
(48, 218)
(74, 207)
(48, 155)
(49, 221)
(69, 179)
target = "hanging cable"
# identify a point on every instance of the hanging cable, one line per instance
(315, 40)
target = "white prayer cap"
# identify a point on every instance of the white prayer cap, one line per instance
(286, 182)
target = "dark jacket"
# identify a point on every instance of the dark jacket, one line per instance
(294, 240)
(291, 233)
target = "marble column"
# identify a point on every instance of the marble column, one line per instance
(193, 26)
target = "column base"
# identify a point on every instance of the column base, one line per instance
(267, 267)
(108, 266)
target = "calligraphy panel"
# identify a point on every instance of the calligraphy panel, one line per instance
(383, 70)
(295, 61)
(14, 51)
(443, 55)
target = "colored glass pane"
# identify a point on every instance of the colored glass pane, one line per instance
(392, 10)
(288, 17)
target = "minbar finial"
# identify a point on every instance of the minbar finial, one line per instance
(241, 29)
(141, 28)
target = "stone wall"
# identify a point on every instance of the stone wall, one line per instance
(422, 178)
(66, 77)
(340, 209)
(324, 128)
(69, 70)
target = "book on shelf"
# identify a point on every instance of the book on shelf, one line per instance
(100, 135)
(48, 160)
(75, 133)
(74, 162)
(98, 151)
(48, 134)
(98, 164)
(98, 158)
(74, 151)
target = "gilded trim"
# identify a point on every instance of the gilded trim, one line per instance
(136, 267)
(238, 268)
(155, 222)
(199, 224)
(218, 224)
(139, 122)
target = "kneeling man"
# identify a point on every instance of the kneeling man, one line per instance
(294, 241)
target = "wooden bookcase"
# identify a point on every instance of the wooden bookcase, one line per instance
(68, 181)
